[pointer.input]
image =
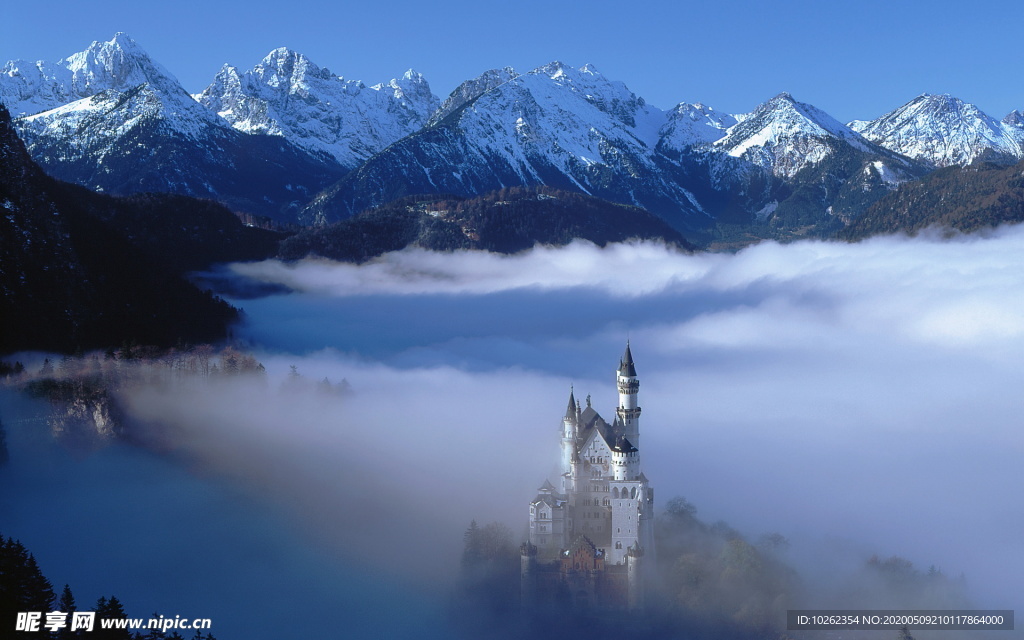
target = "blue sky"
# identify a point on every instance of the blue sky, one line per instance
(852, 59)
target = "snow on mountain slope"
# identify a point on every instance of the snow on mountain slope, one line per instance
(288, 95)
(31, 87)
(471, 90)
(89, 126)
(556, 125)
(1014, 119)
(119, 64)
(139, 130)
(116, 86)
(942, 130)
(564, 116)
(694, 124)
(784, 136)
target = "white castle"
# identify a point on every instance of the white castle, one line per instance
(588, 537)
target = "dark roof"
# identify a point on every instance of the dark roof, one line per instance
(588, 416)
(547, 486)
(626, 364)
(590, 420)
(547, 499)
(623, 445)
(570, 411)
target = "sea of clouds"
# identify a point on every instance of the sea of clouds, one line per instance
(858, 399)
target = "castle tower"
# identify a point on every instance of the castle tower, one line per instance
(635, 578)
(628, 411)
(569, 422)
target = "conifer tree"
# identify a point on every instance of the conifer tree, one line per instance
(109, 610)
(472, 552)
(66, 604)
(23, 587)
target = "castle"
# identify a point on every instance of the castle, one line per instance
(589, 536)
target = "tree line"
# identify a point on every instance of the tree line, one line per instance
(24, 589)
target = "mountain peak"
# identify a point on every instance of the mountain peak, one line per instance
(288, 95)
(124, 41)
(554, 70)
(786, 135)
(940, 102)
(411, 84)
(471, 90)
(691, 124)
(943, 130)
(785, 111)
(413, 90)
(119, 63)
(292, 66)
(1015, 118)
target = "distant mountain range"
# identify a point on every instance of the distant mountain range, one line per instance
(299, 144)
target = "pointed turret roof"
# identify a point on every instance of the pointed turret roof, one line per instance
(570, 412)
(626, 364)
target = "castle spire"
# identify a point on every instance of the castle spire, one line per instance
(628, 412)
(570, 423)
(626, 364)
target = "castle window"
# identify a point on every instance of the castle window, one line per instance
(618, 545)
(615, 492)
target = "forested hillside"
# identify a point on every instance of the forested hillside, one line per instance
(504, 221)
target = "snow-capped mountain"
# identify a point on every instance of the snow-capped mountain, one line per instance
(471, 90)
(693, 124)
(120, 64)
(785, 136)
(556, 125)
(942, 130)
(288, 95)
(1014, 119)
(269, 140)
(794, 166)
(137, 129)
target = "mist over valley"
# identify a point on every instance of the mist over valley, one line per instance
(858, 399)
